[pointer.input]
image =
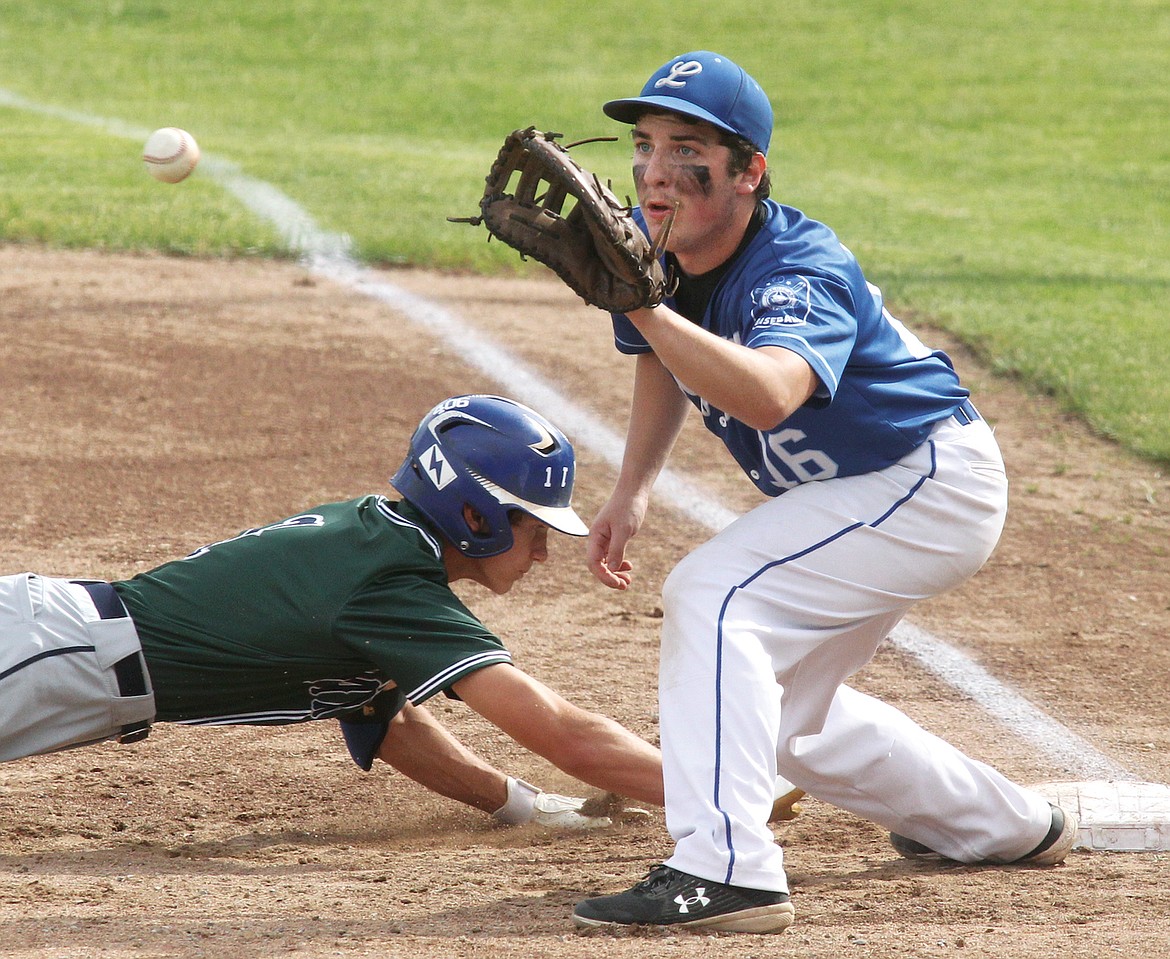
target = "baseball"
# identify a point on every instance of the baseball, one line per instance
(170, 154)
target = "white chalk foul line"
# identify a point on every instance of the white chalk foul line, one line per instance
(1063, 748)
(329, 255)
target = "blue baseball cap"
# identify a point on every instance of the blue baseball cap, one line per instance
(709, 87)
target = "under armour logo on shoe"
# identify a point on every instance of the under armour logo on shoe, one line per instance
(698, 899)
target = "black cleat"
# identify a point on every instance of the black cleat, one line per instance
(1062, 835)
(667, 897)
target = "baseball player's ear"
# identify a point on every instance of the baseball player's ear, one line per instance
(751, 177)
(474, 519)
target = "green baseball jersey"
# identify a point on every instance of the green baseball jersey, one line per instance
(306, 618)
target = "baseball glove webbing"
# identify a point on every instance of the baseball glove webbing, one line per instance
(596, 247)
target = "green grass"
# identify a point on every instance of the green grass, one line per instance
(1001, 167)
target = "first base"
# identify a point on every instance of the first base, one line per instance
(1119, 815)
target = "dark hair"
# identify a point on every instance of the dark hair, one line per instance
(742, 149)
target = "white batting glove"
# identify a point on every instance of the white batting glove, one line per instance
(527, 804)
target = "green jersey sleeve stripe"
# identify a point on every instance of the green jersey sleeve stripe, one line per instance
(456, 671)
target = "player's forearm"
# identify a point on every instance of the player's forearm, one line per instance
(759, 387)
(420, 748)
(608, 756)
(586, 745)
(658, 410)
(596, 750)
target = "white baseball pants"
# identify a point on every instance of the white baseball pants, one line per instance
(764, 623)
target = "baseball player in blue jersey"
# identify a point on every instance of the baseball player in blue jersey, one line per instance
(887, 488)
(343, 611)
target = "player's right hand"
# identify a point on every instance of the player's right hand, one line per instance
(613, 577)
(606, 547)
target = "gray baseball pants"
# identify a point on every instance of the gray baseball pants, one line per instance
(71, 667)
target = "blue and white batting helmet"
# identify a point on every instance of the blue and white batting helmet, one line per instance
(494, 455)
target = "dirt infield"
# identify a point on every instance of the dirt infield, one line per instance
(152, 405)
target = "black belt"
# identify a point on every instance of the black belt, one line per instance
(966, 413)
(128, 671)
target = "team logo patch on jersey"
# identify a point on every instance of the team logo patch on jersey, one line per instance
(332, 696)
(785, 302)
